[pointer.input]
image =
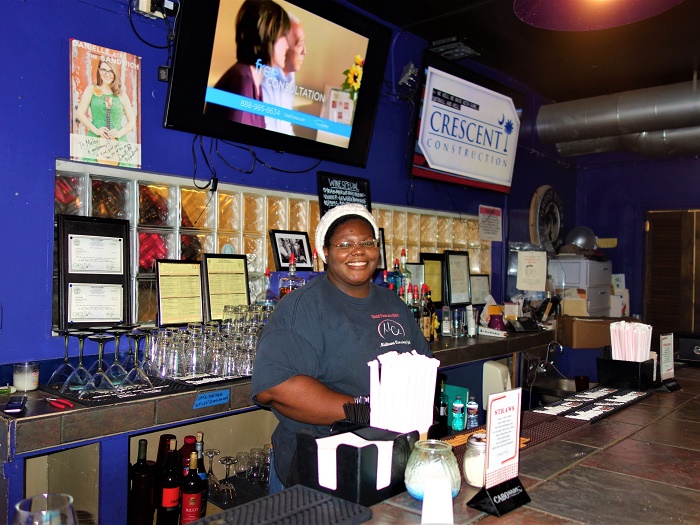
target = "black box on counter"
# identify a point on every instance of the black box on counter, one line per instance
(356, 468)
(626, 374)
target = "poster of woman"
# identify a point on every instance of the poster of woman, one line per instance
(105, 105)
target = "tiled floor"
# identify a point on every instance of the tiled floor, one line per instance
(639, 466)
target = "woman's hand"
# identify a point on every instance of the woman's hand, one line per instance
(114, 134)
(103, 132)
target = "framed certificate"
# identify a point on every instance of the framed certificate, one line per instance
(480, 288)
(179, 285)
(225, 281)
(93, 272)
(434, 275)
(458, 288)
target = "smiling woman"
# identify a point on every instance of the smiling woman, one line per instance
(312, 355)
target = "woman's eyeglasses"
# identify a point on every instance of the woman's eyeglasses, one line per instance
(347, 245)
(109, 71)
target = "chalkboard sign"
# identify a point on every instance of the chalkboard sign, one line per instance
(334, 190)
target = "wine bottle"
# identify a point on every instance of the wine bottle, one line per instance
(201, 470)
(192, 489)
(140, 500)
(185, 451)
(159, 467)
(169, 505)
(426, 317)
(292, 281)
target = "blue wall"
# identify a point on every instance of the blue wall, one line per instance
(34, 131)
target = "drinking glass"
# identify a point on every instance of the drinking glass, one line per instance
(137, 377)
(149, 351)
(212, 480)
(80, 376)
(242, 464)
(116, 372)
(64, 370)
(99, 382)
(227, 491)
(46, 509)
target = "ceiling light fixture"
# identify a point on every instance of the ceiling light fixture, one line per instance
(588, 15)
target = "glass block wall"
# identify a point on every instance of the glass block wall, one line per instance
(172, 218)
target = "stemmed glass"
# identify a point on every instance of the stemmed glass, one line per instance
(136, 376)
(116, 372)
(80, 376)
(100, 363)
(99, 382)
(226, 489)
(65, 369)
(128, 361)
(212, 480)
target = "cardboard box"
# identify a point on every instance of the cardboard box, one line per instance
(586, 332)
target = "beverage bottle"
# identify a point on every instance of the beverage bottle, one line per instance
(385, 279)
(402, 296)
(201, 470)
(192, 490)
(185, 451)
(161, 463)
(292, 281)
(426, 318)
(396, 276)
(433, 313)
(392, 288)
(267, 297)
(169, 504)
(317, 262)
(472, 413)
(405, 274)
(443, 406)
(140, 502)
(458, 414)
(416, 309)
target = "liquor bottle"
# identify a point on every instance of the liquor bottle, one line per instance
(472, 413)
(458, 414)
(426, 318)
(409, 295)
(396, 276)
(433, 313)
(140, 501)
(402, 295)
(442, 411)
(201, 470)
(185, 451)
(392, 287)
(405, 274)
(415, 306)
(385, 279)
(292, 281)
(317, 262)
(267, 297)
(191, 492)
(169, 504)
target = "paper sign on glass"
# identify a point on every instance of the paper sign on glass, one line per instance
(532, 271)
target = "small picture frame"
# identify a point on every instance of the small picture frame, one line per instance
(382, 251)
(284, 243)
(480, 288)
(417, 274)
(457, 274)
(434, 276)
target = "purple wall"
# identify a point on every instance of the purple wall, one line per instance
(34, 131)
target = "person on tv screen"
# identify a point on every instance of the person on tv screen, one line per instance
(279, 87)
(311, 357)
(111, 115)
(261, 44)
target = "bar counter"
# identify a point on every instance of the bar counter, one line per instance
(636, 466)
(43, 429)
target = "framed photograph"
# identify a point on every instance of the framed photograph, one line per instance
(458, 289)
(224, 282)
(284, 243)
(417, 274)
(382, 251)
(434, 275)
(480, 289)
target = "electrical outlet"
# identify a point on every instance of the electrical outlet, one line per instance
(150, 8)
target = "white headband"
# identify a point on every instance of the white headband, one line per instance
(336, 213)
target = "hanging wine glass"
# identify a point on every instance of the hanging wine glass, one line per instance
(99, 383)
(130, 358)
(116, 372)
(136, 376)
(80, 376)
(65, 369)
(212, 480)
(147, 364)
(227, 492)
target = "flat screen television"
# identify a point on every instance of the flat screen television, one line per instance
(324, 121)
